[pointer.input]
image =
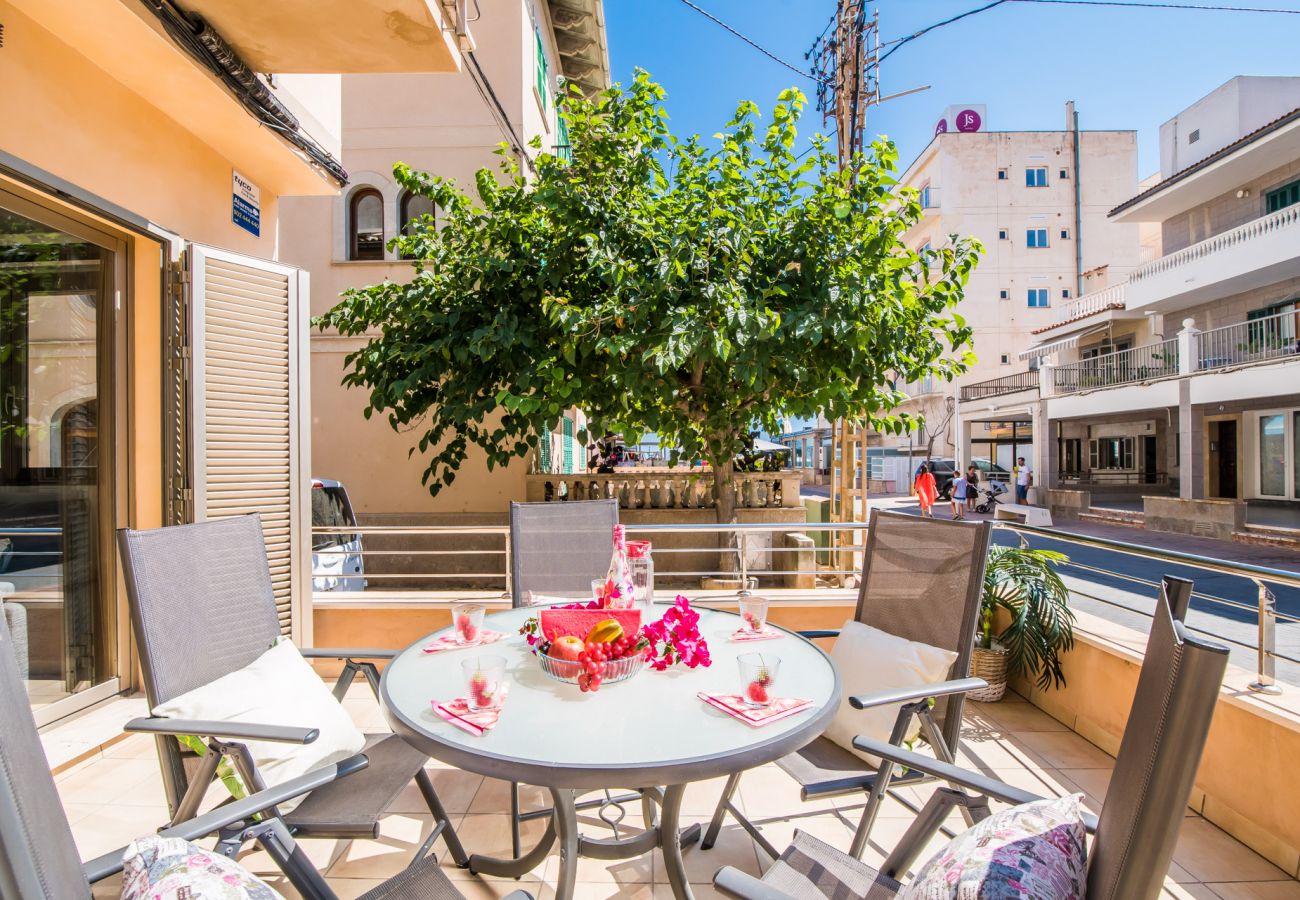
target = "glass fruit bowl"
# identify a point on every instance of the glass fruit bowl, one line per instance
(615, 670)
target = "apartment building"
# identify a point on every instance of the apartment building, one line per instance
(450, 125)
(1038, 201)
(151, 336)
(1182, 383)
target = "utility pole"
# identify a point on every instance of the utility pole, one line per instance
(845, 62)
(846, 65)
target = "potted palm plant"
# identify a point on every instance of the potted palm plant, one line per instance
(1023, 581)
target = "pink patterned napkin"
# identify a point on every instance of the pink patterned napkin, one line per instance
(734, 705)
(449, 642)
(458, 713)
(767, 634)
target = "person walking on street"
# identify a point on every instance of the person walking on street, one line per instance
(959, 487)
(972, 486)
(1024, 478)
(926, 490)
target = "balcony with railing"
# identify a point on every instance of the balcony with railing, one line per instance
(1253, 341)
(999, 387)
(1130, 366)
(1092, 303)
(1260, 252)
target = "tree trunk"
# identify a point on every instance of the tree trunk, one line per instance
(725, 510)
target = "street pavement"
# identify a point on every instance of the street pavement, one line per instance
(1122, 587)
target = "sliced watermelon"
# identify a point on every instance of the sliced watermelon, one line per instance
(579, 622)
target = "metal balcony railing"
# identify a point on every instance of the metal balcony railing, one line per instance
(1288, 218)
(1121, 367)
(998, 387)
(1256, 340)
(823, 555)
(1093, 303)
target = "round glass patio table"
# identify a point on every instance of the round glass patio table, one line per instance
(651, 732)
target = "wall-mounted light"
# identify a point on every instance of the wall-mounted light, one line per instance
(1243, 193)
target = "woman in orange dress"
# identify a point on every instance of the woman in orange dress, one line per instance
(926, 490)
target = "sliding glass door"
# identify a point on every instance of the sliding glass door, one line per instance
(59, 285)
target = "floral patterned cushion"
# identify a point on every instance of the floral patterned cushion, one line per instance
(158, 868)
(1033, 850)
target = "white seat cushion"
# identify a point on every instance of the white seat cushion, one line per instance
(871, 660)
(277, 688)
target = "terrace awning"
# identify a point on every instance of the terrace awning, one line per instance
(1051, 347)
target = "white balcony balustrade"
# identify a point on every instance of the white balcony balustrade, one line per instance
(1262, 251)
(1092, 303)
(668, 489)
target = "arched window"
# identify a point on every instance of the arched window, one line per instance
(366, 225)
(412, 208)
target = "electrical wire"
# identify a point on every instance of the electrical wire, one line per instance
(757, 46)
(903, 41)
(1133, 4)
(197, 38)
(498, 112)
(1128, 4)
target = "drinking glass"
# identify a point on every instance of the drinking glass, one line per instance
(753, 612)
(757, 677)
(643, 580)
(485, 676)
(467, 620)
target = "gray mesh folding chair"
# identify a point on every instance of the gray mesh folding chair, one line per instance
(202, 607)
(1135, 835)
(921, 580)
(559, 547)
(38, 856)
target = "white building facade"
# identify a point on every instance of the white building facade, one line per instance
(1038, 202)
(1184, 381)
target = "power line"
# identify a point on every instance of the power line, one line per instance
(497, 111)
(1128, 4)
(899, 42)
(1133, 4)
(757, 46)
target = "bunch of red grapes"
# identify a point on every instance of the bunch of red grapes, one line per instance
(594, 656)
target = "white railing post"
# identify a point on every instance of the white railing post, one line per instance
(1046, 386)
(1188, 348)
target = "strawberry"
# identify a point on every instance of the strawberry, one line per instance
(465, 625)
(478, 686)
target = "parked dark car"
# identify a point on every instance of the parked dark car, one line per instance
(944, 469)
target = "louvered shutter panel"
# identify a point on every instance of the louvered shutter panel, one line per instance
(248, 406)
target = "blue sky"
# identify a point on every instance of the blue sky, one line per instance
(1124, 68)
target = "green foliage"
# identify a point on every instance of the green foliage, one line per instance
(660, 285)
(1025, 583)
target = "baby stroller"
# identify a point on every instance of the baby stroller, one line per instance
(987, 496)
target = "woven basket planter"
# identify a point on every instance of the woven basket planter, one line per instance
(991, 665)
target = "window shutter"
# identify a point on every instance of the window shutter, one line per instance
(248, 409)
(568, 462)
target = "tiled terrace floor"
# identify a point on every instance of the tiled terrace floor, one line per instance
(116, 795)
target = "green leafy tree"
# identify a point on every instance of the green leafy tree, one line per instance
(695, 290)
